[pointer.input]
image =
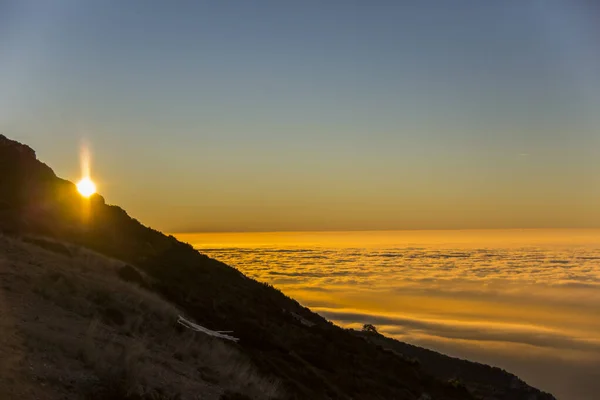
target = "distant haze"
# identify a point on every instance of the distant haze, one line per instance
(268, 116)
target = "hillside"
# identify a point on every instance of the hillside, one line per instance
(74, 325)
(286, 351)
(483, 381)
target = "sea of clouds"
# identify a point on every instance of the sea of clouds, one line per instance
(532, 307)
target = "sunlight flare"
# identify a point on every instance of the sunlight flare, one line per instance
(86, 187)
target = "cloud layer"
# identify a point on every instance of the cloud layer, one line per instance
(509, 305)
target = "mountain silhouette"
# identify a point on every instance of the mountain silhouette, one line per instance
(311, 357)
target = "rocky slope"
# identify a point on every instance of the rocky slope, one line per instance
(309, 357)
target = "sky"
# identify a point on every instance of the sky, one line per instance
(339, 115)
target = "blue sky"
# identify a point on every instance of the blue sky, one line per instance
(274, 115)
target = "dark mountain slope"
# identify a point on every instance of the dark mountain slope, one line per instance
(313, 361)
(482, 380)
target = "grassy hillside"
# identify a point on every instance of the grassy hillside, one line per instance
(75, 326)
(307, 356)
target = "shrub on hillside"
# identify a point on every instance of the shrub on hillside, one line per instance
(370, 328)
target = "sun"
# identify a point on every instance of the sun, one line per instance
(86, 187)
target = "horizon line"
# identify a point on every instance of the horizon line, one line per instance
(384, 230)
